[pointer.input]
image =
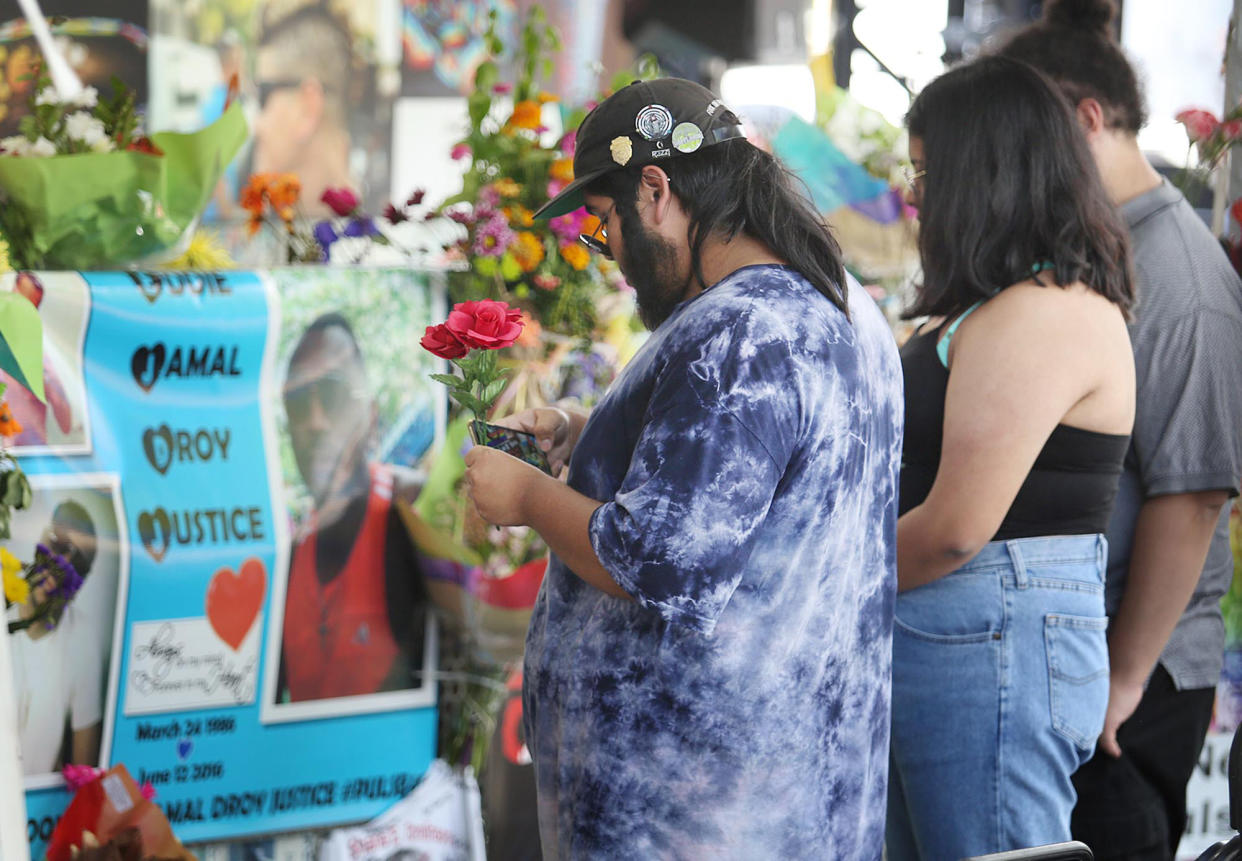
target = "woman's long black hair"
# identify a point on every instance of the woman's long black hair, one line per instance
(735, 188)
(1010, 185)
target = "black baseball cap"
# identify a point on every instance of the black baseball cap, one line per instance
(644, 123)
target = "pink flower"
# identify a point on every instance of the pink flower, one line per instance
(461, 150)
(77, 776)
(555, 186)
(486, 324)
(1199, 123)
(443, 343)
(342, 201)
(502, 89)
(493, 237)
(567, 227)
(1232, 130)
(547, 282)
(569, 142)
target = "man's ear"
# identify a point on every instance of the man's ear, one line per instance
(653, 190)
(1090, 114)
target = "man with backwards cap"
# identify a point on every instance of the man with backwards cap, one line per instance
(707, 666)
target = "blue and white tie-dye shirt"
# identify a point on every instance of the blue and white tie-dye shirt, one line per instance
(747, 459)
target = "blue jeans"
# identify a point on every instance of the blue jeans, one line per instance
(1000, 683)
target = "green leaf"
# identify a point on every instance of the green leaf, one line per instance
(478, 104)
(451, 380)
(21, 342)
(486, 75)
(494, 388)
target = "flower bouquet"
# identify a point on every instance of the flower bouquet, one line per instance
(21, 357)
(82, 188)
(515, 166)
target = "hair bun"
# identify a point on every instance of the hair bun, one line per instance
(1092, 15)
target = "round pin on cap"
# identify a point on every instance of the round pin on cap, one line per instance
(687, 137)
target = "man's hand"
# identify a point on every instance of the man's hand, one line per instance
(554, 430)
(1123, 699)
(500, 485)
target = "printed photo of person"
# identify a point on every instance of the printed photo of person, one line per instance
(351, 625)
(61, 636)
(59, 424)
(350, 630)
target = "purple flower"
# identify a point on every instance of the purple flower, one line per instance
(493, 237)
(461, 216)
(361, 227)
(70, 583)
(325, 234)
(489, 198)
(393, 215)
(42, 550)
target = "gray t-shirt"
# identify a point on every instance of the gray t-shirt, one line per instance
(1187, 340)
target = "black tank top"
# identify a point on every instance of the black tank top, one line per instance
(1069, 490)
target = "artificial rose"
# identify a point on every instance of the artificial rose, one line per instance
(443, 343)
(1199, 123)
(342, 201)
(486, 324)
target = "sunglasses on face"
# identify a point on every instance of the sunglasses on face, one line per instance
(333, 393)
(597, 239)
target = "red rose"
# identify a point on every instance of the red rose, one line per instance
(1232, 130)
(1199, 123)
(443, 343)
(342, 201)
(487, 324)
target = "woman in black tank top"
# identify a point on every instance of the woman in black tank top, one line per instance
(1019, 401)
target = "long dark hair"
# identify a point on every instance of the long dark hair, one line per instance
(735, 188)
(1009, 185)
(1074, 44)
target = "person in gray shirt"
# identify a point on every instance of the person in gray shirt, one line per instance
(1169, 555)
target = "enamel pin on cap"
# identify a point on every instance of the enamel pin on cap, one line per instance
(654, 122)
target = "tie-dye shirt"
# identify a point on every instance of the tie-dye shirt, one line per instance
(747, 459)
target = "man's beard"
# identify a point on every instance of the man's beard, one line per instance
(649, 264)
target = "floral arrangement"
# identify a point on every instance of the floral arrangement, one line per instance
(58, 125)
(43, 589)
(81, 187)
(21, 337)
(516, 164)
(350, 237)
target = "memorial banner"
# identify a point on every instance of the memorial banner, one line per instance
(222, 457)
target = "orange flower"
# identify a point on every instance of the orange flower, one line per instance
(283, 191)
(576, 255)
(528, 251)
(256, 221)
(9, 426)
(252, 195)
(526, 115)
(562, 169)
(544, 97)
(531, 330)
(518, 215)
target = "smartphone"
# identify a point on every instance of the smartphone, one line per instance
(520, 444)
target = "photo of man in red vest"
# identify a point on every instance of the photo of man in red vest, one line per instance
(355, 603)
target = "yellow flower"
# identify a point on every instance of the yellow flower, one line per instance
(519, 216)
(506, 187)
(16, 589)
(528, 251)
(562, 169)
(544, 97)
(576, 256)
(204, 253)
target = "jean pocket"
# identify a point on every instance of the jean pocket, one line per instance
(1077, 649)
(959, 608)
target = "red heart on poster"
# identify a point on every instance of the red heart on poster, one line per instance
(234, 599)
